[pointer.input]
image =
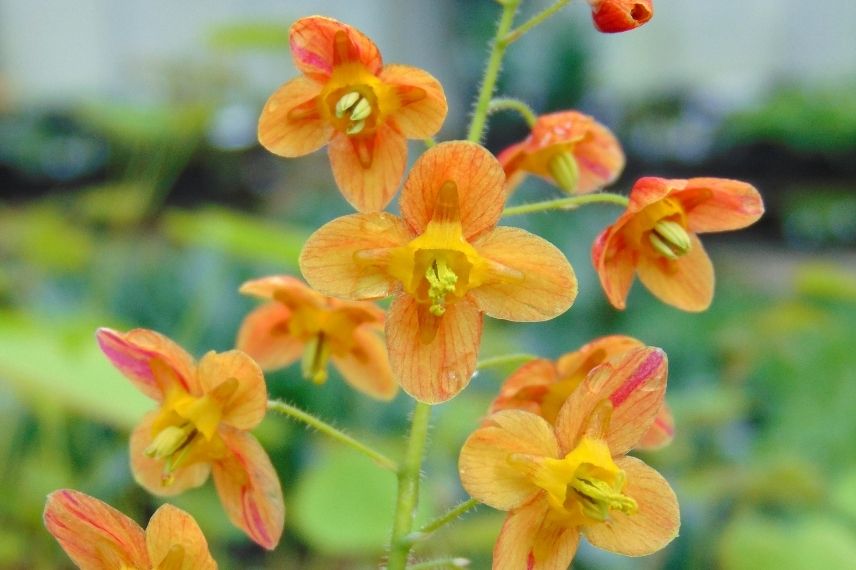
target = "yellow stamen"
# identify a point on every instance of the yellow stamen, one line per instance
(599, 497)
(670, 239)
(441, 282)
(315, 358)
(170, 440)
(565, 171)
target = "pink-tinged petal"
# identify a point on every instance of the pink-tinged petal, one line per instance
(291, 123)
(148, 359)
(536, 284)
(615, 263)
(366, 366)
(339, 258)
(718, 204)
(422, 102)
(613, 16)
(652, 527)
(265, 336)
(318, 44)
(249, 488)
(245, 404)
(368, 168)
(433, 361)
(479, 180)
(171, 528)
(93, 534)
(533, 539)
(662, 431)
(686, 283)
(484, 466)
(633, 383)
(526, 387)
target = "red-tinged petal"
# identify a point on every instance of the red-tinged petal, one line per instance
(526, 387)
(337, 259)
(249, 488)
(477, 176)
(633, 383)
(662, 431)
(537, 282)
(245, 405)
(421, 103)
(366, 366)
(318, 44)
(652, 527)
(718, 204)
(612, 16)
(615, 263)
(533, 539)
(149, 359)
(93, 534)
(291, 123)
(264, 335)
(171, 528)
(646, 191)
(686, 283)
(484, 466)
(368, 168)
(434, 369)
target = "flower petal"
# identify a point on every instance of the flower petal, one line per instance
(434, 370)
(686, 283)
(532, 539)
(662, 431)
(331, 258)
(547, 285)
(421, 98)
(246, 406)
(612, 16)
(595, 353)
(319, 43)
(291, 124)
(366, 366)
(652, 527)
(718, 204)
(615, 263)
(526, 387)
(284, 288)
(476, 173)
(249, 488)
(93, 534)
(484, 466)
(170, 527)
(264, 335)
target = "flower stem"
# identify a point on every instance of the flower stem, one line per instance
(453, 514)
(408, 488)
(328, 430)
(503, 360)
(570, 203)
(440, 564)
(535, 20)
(511, 104)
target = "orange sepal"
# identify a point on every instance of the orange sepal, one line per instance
(719, 204)
(533, 539)
(662, 431)
(422, 102)
(291, 124)
(264, 335)
(170, 527)
(245, 407)
(612, 16)
(526, 387)
(366, 366)
(319, 43)
(686, 283)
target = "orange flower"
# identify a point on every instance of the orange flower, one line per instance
(559, 483)
(98, 537)
(446, 262)
(611, 16)
(206, 410)
(656, 236)
(541, 386)
(364, 109)
(302, 321)
(568, 149)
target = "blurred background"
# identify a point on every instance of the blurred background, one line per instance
(133, 193)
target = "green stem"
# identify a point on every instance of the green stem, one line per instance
(453, 514)
(440, 563)
(503, 360)
(535, 20)
(491, 72)
(511, 104)
(408, 488)
(328, 430)
(570, 203)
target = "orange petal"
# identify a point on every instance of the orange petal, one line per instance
(171, 527)
(264, 335)
(290, 124)
(718, 204)
(615, 263)
(249, 488)
(93, 534)
(686, 283)
(134, 352)
(434, 370)
(634, 383)
(245, 408)
(319, 43)
(662, 431)
(652, 527)
(546, 286)
(368, 168)
(526, 387)
(532, 539)
(285, 288)
(422, 102)
(612, 16)
(476, 173)
(595, 353)
(334, 259)
(511, 159)
(366, 366)
(648, 190)
(484, 466)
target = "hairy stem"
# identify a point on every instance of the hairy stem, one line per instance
(570, 203)
(535, 20)
(511, 104)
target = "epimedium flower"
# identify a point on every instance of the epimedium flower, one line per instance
(346, 97)
(98, 537)
(612, 16)
(574, 479)
(656, 238)
(206, 410)
(542, 386)
(298, 321)
(568, 149)
(446, 262)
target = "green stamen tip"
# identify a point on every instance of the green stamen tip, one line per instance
(361, 110)
(347, 101)
(599, 497)
(170, 440)
(565, 171)
(670, 239)
(355, 128)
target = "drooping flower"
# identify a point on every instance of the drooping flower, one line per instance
(574, 479)
(446, 262)
(656, 238)
(364, 109)
(611, 16)
(206, 410)
(299, 321)
(542, 386)
(98, 537)
(568, 149)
